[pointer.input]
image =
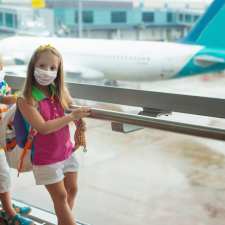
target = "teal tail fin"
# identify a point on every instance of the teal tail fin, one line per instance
(210, 29)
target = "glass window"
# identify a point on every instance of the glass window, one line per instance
(87, 16)
(76, 17)
(16, 21)
(196, 18)
(9, 19)
(148, 17)
(169, 17)
(181, 17)
(187, 18)
(1, 18)
(118, 17)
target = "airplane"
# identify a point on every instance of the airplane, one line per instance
(201, 51)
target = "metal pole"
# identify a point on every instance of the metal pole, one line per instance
(80, 19)
(165, 102)
(145, 121)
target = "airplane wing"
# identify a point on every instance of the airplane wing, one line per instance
(19, 70)
(17, 58)
(79, 71)
(84, 72)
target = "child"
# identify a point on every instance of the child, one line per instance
(45, 98)
(11, 214)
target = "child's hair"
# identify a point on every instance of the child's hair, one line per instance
(61, 89)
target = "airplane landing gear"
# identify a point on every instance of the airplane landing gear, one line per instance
(113, 83)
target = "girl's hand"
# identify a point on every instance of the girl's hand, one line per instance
(80, 112)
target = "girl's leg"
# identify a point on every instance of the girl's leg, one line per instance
(7, 203)
(62, 209)
(70, 183)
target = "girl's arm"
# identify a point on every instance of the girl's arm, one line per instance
(34, 118)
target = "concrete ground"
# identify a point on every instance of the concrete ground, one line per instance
(148, 177)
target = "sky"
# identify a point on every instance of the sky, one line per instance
(125, 0)
(135, 1)
(191, 0)
(187, 1)
(177, 1)
(194, 4)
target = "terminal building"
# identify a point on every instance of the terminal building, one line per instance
(111, 19)
(25, 20)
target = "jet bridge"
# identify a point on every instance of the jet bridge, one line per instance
(151, 105)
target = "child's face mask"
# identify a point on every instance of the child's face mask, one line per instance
(44, 77)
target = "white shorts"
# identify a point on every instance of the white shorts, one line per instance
(5, 182)
(53, 173)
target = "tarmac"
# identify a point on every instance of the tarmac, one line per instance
(148, 177)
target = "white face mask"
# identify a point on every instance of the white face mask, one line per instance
(2, 75)
(44, 77)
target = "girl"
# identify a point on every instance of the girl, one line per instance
(45, 98)
(10, 212)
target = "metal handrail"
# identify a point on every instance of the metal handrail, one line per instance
(164, 101)
(197, 105)
(145, 121)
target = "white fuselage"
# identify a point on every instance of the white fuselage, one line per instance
(116, 60)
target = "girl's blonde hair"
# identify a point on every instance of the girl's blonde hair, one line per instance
(60, 88)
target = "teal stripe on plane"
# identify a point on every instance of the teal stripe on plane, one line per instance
(194, 68)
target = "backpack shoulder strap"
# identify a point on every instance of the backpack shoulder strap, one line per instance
(26, 139)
